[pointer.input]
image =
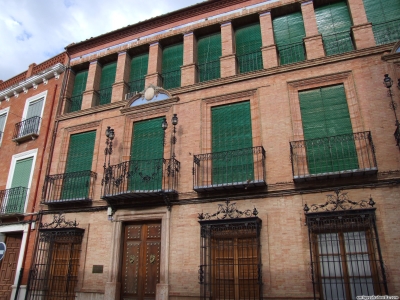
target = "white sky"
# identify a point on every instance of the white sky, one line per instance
(32, 31)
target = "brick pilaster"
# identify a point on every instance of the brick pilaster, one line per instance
(154, 68)
(90, 96)
(228, 58)
(269, 54)
(313, 40)
(188, 69)
(120, 87)
(362, 30)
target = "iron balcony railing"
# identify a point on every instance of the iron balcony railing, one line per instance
(387, 32)
(249, 62)
(69, 187)
(240, 168)
(171, 79)
(397, 135)
(138, 178)
(333, 156)
(75, 103)
(136, 86)
(209, 71)
(12, 201)
(337, 43)
(27, 128)
(105, 95)
(291, 53)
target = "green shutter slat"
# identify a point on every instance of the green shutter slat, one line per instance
(248, 48)
(22, 173)
(35, 109)
(106, 81)
(231, 130)
(289, 33)
(79, 159)
(139, 65)
(209, 50)
(79, 88)
(385, 18)
(334, 23)
(147, 155)
(324, 114)
(172, 60)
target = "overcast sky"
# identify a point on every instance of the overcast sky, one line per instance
(35, 30)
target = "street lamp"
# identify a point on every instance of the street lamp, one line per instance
(107, 152)
(388, 82)
(164, 126)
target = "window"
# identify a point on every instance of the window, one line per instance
(172, 60)
(209, 50)
(345, 254)
(139, 64)
(248, 48)
(334, 24)
(31, 118)
(146, 165)
(106, 81)
(76, 180)
(3, 120)
(77, 92)
(327, 129)
(385, 19)
(289, 33)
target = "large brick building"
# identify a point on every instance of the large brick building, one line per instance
(28, 104)
(249, 153)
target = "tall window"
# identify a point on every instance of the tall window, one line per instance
(32, 116)
(147, 151)
(172, 60)
(334, 24)
(77, 92)
(76, 183)
(385, 19)
(327, 130)
(289, 33)
(3, 119)
(232, 143)
(248, 48)
(139, 64)
(106, 81)
(209, 50)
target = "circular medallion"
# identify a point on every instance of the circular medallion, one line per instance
(149, 94)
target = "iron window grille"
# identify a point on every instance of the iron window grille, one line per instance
(291, 53)
(337, 43)
(346, 259)
(12, 201)
(136, 86)
(54, 274)
(387, 32)
(74, 103)
(171, 79)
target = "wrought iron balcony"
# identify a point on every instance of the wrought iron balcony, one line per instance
(209, 71)
(387, 32)
(75, 103)
(105, 95)
(337, 43)
(335, 156)
(69, 187)
(232, 169)
(140, 179)
(27, 129)
(291, 53)
(12, 201)
(171, 79)
(249, 62)
(136, 86)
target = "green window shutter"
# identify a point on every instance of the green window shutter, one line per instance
(327, 130)
(147, 151)
(79, 88)
(17, 194)
(289, 33)
(138, 73)
(2, 124)
(106, 81)
(35, 109)
(334, 24)
(79, 164)
(248, 48)
(385, 18)
(209, 50)
(172, 60)
(231, 130)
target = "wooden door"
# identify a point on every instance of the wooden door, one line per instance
(141, 261)
(9, 265)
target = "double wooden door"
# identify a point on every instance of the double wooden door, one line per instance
(141, 261)
(8, 266)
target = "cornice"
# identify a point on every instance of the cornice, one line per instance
(150, 106)
(32, 82)
(91, 110)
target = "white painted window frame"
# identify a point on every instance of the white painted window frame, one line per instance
(14, 159)
(4, 112)
(33, 99)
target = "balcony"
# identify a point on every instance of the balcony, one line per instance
(75, 103)
(235, 169)
(105, 95)
(291, 53)
(27, 129)
(141, 182)
(74, 187)
(171, 79)
(386, 33)
(337, 43)
(249, 62)
(12, 201)
(208, 71)
(136, 86)
(335, 156)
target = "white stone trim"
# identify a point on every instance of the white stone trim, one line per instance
(4, 112)
(32, 99)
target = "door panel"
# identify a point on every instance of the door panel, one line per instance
(141, 261)
(9, 265)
